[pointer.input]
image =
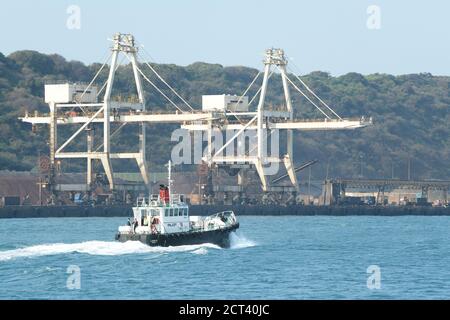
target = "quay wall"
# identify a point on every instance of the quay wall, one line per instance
(12, 212)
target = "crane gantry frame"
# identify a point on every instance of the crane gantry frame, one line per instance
(193, 120)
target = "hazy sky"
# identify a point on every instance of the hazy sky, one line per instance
(325, 35)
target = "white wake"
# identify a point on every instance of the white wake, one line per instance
(114, 248)
(239, 241)
(102, 248)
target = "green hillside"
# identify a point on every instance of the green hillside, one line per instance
(410, 112)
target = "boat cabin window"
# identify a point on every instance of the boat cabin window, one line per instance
(175, 212)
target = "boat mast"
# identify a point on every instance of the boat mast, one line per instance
(169, 185)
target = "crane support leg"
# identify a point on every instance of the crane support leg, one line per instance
(106, 162)
(262, 175)
(291, 172)
(90, 144)
(140, 159)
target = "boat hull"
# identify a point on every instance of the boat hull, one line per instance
(220, 237)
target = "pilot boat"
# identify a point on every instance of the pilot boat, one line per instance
(164, 220)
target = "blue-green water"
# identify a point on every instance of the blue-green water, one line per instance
(271, 258)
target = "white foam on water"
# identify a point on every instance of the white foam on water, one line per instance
(201, 251)
(239, 241)
(102, 248)
(49, 269)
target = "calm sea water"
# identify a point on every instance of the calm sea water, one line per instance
(271, 258)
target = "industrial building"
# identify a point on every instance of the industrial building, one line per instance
(385, 192)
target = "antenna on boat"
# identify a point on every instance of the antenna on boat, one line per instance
(169, 184)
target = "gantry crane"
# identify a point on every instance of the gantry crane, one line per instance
(265, 122)
(61, 98)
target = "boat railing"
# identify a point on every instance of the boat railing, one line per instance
(156, 200)
(141, 202)
(178, 198)
(228, 215)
